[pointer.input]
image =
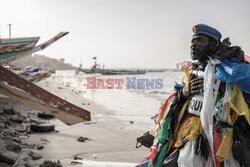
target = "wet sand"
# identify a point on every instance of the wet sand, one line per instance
(118, 117)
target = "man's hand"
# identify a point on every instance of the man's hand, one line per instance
(193, 87)
(196, 85)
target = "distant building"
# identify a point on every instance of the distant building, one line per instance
(43, 62)
(40, 59)
(61, 60)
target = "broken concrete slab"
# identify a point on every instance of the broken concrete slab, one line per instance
(13, 147)
(35, 156)
(8, 157)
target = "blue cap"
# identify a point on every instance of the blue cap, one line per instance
(207, 30)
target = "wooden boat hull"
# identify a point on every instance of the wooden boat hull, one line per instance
(10, 47)
(37, 98)
(14, 48)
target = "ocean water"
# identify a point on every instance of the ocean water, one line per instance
(128, 104)
(79, 82)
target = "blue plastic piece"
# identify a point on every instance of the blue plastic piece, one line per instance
(153, 117)
(234, 71)
(178, 86)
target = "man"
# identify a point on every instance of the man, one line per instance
(204, 44)
(200, 120)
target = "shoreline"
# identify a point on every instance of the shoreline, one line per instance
(112, 136)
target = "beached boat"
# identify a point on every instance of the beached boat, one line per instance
(87, 71)
(10, 47)
(34, 74)
(14, 48)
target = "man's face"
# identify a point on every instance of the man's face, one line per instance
(199, 47)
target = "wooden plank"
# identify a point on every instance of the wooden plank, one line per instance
(35, 97)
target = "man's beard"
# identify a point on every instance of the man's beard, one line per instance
(199, 55)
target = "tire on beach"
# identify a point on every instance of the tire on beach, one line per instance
(42, 127)
(45, 116)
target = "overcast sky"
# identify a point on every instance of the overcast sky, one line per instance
(124, 33)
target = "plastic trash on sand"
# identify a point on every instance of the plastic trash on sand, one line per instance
(146, 140)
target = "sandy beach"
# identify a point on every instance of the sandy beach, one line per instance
(117, 119)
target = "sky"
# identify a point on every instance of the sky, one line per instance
(124, 33)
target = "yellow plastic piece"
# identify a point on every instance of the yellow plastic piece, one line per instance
(238, 104)
(189, 130)
(224, 149)
(187, 71)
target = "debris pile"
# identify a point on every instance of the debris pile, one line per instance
(15, 129)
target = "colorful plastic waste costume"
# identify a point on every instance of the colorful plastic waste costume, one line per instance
(205, 122)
